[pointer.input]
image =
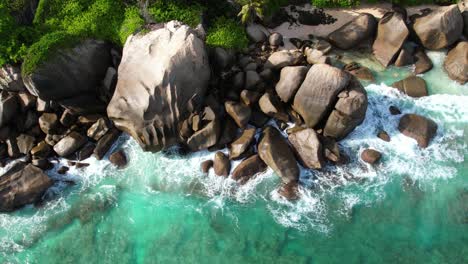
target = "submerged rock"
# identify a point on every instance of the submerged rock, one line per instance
(119, 159)
(276, 153)
(162, 77)
(21, 185)
(413, 86)
(354, 32)
(206, 165)
(456, 63)
(418, 127)
(359, 71)
(440, 28)
(391, 34)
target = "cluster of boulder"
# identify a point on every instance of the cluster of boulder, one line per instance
(58, 111)
(269, 107)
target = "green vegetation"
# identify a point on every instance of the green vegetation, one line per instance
(163, 11)
(251, 9)
(227, 33)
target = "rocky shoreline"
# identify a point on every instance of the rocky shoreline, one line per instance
(269, 106)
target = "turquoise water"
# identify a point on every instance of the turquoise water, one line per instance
(411, 208)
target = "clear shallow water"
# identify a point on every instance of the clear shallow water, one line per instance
(412, 208)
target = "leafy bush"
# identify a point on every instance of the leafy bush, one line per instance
(227, 33)
(163, 11)
(335, 3)
(350, 3)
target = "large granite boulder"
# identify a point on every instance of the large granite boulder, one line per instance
(391, 34)
(352, 33)
(349, 112)
(308, 148)
(413, 86)
(21, 185)
(276, 153)
(290, 80)
(418, 127)
(248, 168)
(280, 59)
(440, 28)
(318, 93)
(162, 77)
(456, 63)
(73, 76)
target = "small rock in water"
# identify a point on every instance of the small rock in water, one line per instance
(119, 159)
(384, 136)
(206, 165)
(394, 110)
(418, 127)
(289, 191)
(63, 170)
(371, 156)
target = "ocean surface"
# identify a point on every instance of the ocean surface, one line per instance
(411, 208)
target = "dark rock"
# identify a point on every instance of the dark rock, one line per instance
(63, 170)
(360, 72)
(391, 34)
(105, 143)
(250, 98)
(406, 56)
(267, 75)
(206, 165)
(167, 72)
(42, 164)
(109, 83)
(70, 144)
(239, 112)
(257, 33)
(229, 132)
(308, 148)
(440, 28)
(26, 101)
(68, 118)
(119, 159)
(251, 67)
(41, 150)
(350, 111)
(412, 86)
(25, 143)
(371, 156)
(258, 118)
(13, 150)
(290, 81)
(3, 151)
(272, 107)
(222, 58)
(8, 108)
(456, 63)
(248, 168)
(88, 120)
(419, 128)
(99, 129)
(276, 153)
(276, 39)
(222, 164)
(331, 150)
(238, 81)
(86, 151)
(241, 144)
(394, 110)
(354, 32)
(206, 137)
(80, 165)
(49, 123)
(319, 90)
(252, 79)
(10, 79)
(281, 59)
(423, 62)
(21, 185)
(30, 120)
(384, 136)
(75, 85)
